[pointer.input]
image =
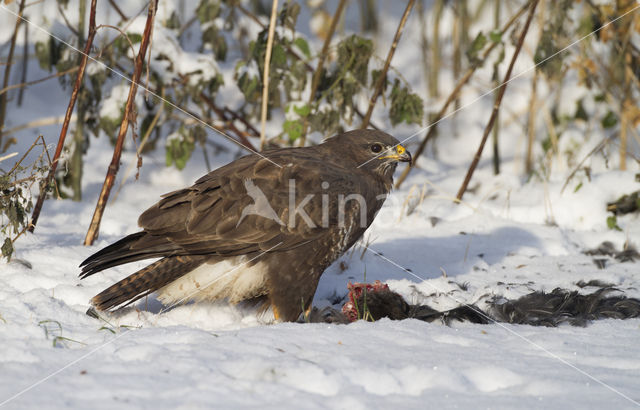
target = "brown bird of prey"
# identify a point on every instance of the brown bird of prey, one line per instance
(262, 228)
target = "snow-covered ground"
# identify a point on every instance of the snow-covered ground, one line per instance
(509, 237)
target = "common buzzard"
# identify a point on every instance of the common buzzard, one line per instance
(262, 228)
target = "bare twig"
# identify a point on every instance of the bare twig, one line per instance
(66, 21)
(434, 63)
(118, 10)
(531, 125)
(49, 77)
(496, 105)
(122, 34)
(7, 70)
(40, 122)
(293, 53)
(25, 63)
(143, 142)
(465, 78)
(242, 136)
(5, 157)
(265, 76)
(254, 132)
(315, 81)
(495, 136)
(627, 102)
(128, 116)
(67, 118)
(383, 74)
(597, 148)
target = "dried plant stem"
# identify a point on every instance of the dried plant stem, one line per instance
(49, 77)
(25, 63)
(496, 105)
(495, 135)
(383, 74)
(40, 122)
(294, 54)
(456, 90)
(624, 111)
(128, 116)
(531, 125)
(265, 76)
(434, 69)
(67, 118)
(7, 70)
(118, 10)
(141, 146)
(597, 148)
(222, 113)
(320, 66)
(75, 165)
(424, 43)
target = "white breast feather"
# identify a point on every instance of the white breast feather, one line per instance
(230, 279)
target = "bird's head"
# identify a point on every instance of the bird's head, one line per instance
(373, 151)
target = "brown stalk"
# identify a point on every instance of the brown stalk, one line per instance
(67, 118)
(293, 53)
(49, 77)
(315, 81)
(495, 136)
(498, 101)
(434, 69)
(118, 10)
(531, 125)
(242, 136)
(129, 115)
(7, 70)
(31, 178)
(25, 63)
(383, 74)
(456, 90)
(254, 132)
(265, 75)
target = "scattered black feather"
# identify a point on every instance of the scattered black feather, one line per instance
(562, 306)
(626, 204)
(606, 248)
(535, 309)
(595, 283)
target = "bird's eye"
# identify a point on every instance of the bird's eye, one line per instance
(376, 148)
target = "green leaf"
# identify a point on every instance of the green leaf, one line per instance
(293, 128)
(208, 10)
(609, 120)
(578, 187)
(495, 36)
(7, 248)
(581, 113)
(289, 14)
(302, 44)
(354, 53)
(546, 48)
(405, 106)
(278, 56)
(303, 110)
(612, 223)
(179, 148)
(476, 46)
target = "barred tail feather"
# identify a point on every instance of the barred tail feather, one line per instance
(145, 281)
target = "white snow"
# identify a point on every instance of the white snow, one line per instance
(509, 237)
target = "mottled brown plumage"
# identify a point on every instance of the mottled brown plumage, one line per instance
(217, 242)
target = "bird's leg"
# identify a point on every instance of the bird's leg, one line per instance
(276, 313)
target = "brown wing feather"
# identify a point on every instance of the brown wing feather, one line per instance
(207, 219)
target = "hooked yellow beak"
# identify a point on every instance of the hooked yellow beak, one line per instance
(401, 155)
